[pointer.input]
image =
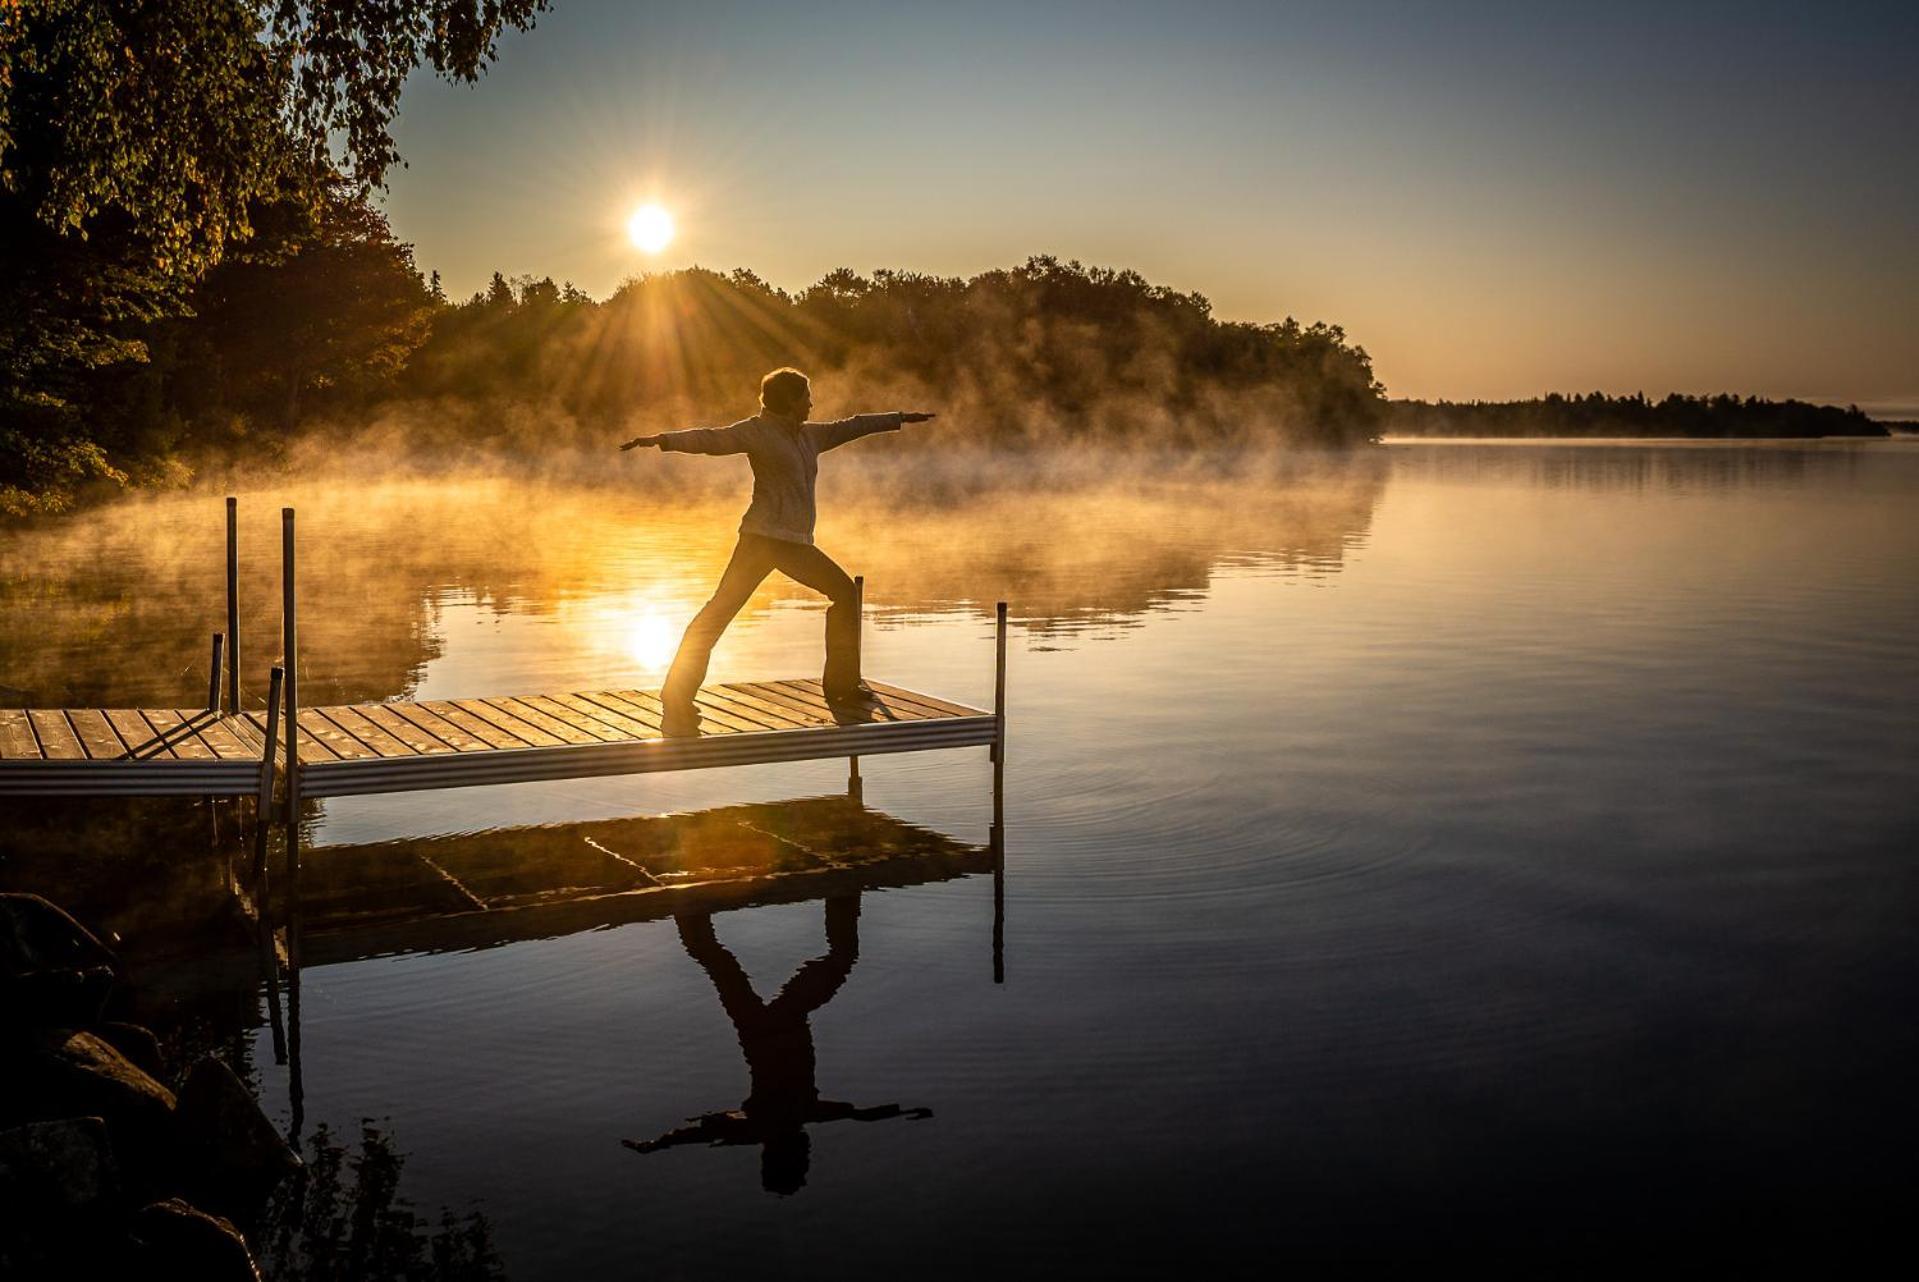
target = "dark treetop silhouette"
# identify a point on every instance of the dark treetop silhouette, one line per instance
(778, 1043)
(1599, 415)
(776, 534)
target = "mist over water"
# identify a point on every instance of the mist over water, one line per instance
(1452, 846)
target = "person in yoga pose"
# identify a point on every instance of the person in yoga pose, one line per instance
(776, 534)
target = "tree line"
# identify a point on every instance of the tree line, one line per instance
(1043, 350)
(320, 323)
(1597, 415)
(195, 273)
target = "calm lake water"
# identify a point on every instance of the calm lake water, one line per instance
(1468, 847)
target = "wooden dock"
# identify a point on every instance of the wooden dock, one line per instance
(401, 746)
(452, 743)
(99, 752)
(287, 754)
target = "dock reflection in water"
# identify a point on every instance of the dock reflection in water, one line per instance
(484, 890)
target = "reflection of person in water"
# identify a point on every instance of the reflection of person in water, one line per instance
(778, 1044)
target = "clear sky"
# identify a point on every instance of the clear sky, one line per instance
(1495, 199)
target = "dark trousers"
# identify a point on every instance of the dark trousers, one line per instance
(754, 558)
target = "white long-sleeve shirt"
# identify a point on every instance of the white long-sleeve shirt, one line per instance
(785, 455)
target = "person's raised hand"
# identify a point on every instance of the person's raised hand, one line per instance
(916, 416)
(638, 441)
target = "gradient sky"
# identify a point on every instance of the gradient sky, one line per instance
(1496, 200)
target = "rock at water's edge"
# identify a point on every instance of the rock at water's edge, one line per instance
(37, 935)
(174, 1240)
(136, 1043)
(53, 972)
(65, 1165)
(65, 1073)
(234, 1152)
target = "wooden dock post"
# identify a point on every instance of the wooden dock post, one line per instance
(262, 890)
(998, 835)
(854, 788)
(233, 606)
(213, 676)
(999, 682)
(289, 641)
(264, 812)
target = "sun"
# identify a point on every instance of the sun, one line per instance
(650, 229)
(651, 640)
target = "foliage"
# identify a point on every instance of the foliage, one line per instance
(1043, 348)
(138, 141)
(343, 1217)
(327, 314)
(1596, 414)
(320, 310)
(350, 58)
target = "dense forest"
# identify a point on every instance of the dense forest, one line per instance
(1597, 414)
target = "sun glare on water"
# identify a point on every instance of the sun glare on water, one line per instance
(651, 640)
(650, 229)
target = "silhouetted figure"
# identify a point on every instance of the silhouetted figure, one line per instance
(778, 1044)
(776, 534)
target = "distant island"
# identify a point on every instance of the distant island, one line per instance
(1598, 415)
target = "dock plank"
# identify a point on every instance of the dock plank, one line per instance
(560, 729)
(632, 727)
(526, 732)
(712, 709)
(649, 717)
(17, 740)
(179, 736)
(423, 718)
(710, 718)
(552, 707)
(938, 705)
(476, 727)
(251, 726)
(902, 709)
(879, 708)
(322, 741)
(816, 709)
(249, 732)
(641, 705)
(750, 693)
(96, 734)
(213, 732)
(852, 714)
(758, 713)
(422, 741)
(142, 743)
(356, 724)
(57, 740)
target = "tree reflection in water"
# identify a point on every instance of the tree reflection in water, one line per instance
(778, 1043)
(343, 1218)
